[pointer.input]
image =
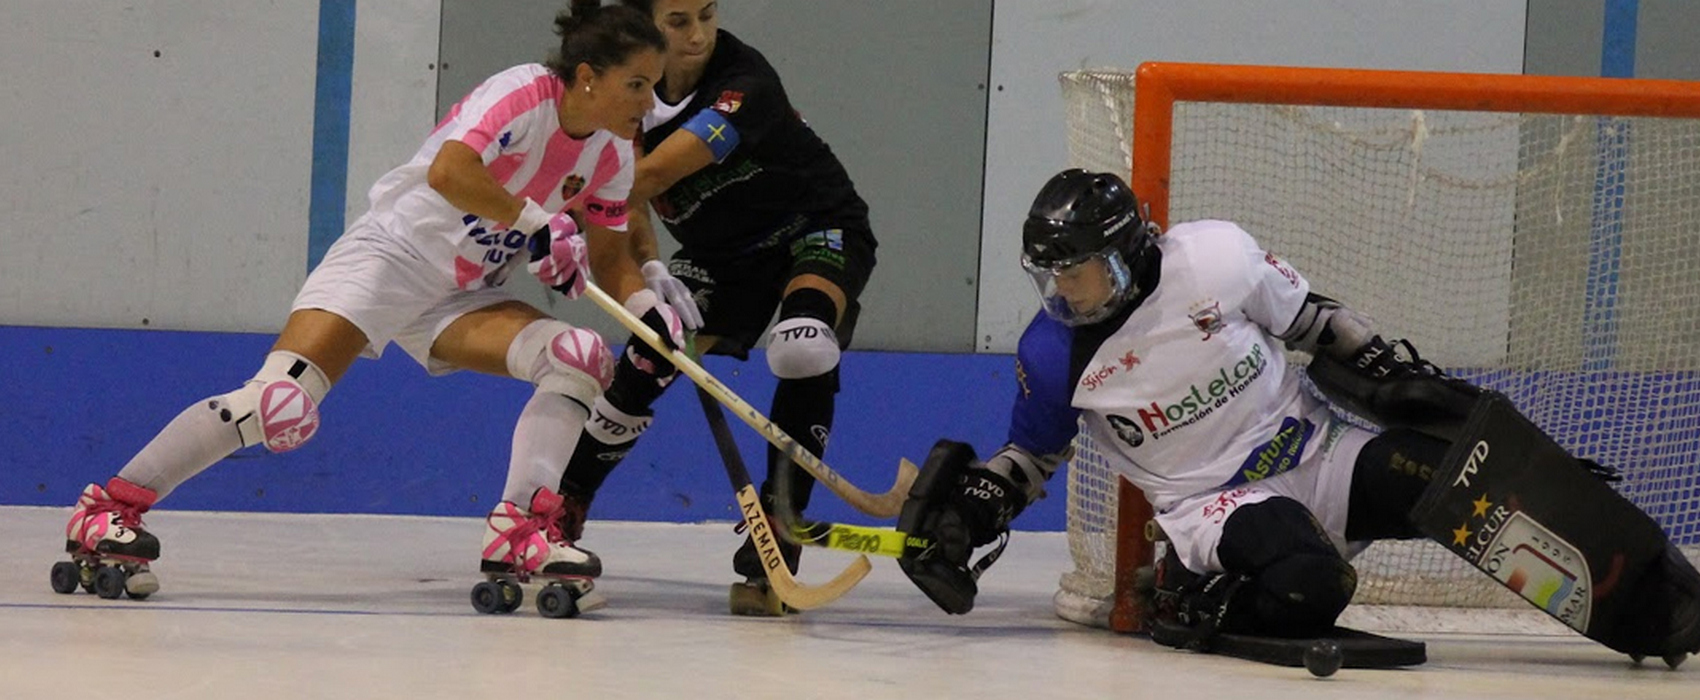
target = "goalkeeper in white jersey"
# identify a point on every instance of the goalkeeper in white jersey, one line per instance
(1168, 348)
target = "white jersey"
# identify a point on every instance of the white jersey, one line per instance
(1191, 393)
(512, 121)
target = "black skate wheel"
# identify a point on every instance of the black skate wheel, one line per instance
(512, 596)
(109, 582)
(487, 598)
(66, 577)
(557, 602)
(1675, 660)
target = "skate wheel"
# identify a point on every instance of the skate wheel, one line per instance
(756, 600)
(1637, 658)
(141, 584)
(109, 582)
(557, 601)
(487, 598)
(65, 577)
(512, 596)
(1675, 660)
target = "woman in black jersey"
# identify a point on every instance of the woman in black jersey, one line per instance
(766, 217)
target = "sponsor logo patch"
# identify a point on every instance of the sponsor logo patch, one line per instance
(571, 186)
(729, 102)
(1127, 430)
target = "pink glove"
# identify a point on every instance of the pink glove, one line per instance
(558, 256)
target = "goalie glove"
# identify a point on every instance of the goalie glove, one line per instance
(955, 505)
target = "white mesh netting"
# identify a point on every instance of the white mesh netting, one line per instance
(1554, 258)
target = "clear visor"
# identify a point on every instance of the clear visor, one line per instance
(1083, 290)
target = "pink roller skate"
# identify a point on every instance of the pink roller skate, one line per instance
(110, 551)
(520, 544)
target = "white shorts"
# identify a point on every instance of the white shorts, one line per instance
(390, 293)
(1323, 483)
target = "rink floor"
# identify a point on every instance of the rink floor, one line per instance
(263, 606)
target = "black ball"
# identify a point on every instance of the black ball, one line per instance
(1323, 658)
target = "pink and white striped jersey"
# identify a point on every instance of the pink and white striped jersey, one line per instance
(511, 119)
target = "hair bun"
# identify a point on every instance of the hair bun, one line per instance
(585, 9)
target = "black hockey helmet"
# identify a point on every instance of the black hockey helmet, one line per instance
(1079, 216)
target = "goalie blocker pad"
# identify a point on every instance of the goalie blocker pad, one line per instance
(1520, 508)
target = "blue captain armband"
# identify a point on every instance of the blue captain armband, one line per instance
(714, 130)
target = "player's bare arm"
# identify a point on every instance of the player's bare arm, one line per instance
(459, 175)
(680, 155)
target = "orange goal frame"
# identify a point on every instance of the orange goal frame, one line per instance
(1158, 86)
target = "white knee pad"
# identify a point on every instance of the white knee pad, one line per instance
(279, 407)
(799, 348)
(561, 359)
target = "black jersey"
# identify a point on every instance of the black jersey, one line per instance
(772, 180)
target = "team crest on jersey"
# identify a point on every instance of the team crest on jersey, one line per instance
(571, 186)
(1208, 319)
(729, 102)
(1127, 430)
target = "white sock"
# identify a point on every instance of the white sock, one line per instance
(544, 438)
(194, 440)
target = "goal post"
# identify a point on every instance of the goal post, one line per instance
(1537, 235)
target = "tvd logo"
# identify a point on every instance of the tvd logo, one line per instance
(1127, 430)
(1472, 464)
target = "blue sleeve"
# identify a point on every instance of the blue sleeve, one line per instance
(1042, 420)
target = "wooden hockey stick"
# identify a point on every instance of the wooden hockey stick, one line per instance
(878, 541)
(779, 578)
(884, 505)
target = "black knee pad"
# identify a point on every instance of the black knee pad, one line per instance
(1299, 582)
(1302, 595)
(1261, 534)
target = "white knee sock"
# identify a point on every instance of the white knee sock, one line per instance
(544, 439)
(194, 440)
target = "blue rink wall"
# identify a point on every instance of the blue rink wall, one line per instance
(78, 403)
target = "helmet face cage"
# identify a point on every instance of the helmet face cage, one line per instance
(1105, 272)
(1077, 218)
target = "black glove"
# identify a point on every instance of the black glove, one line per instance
(986, 502)
(665, 322)
(954, 506)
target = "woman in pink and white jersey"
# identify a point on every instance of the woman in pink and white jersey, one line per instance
(528, 160)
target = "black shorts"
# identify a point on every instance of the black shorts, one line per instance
(739, 295)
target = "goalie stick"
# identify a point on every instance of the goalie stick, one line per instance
(884, 505)
(786, 586)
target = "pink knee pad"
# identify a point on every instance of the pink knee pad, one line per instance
(561, 359)
(288, 415)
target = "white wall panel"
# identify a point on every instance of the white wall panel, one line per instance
(156, 162)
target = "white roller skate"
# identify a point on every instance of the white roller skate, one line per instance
(520, 544)
(110, 551)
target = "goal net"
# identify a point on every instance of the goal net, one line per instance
(1538, 236)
